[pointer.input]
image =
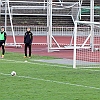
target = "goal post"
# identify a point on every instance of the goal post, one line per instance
(7, 12)
(86, 52)
(70, 9)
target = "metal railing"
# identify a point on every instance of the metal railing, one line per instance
(40, 30)
(56, 31)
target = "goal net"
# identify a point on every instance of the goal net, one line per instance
(86, 45)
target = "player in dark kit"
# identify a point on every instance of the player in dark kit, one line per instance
(28, 38)
(2, 41)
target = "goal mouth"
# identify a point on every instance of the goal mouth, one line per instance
(87, 57)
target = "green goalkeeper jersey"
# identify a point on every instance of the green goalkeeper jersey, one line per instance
(2, 37)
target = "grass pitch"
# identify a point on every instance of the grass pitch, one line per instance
(42, 81)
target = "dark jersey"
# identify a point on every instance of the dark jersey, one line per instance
(28, 37)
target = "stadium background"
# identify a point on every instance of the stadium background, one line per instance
(62, 20)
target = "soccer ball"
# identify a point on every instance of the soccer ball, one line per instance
(13, 73)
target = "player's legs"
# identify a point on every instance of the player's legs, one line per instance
(3, 50)
(25, 50)
(30, 50)
(0, 44)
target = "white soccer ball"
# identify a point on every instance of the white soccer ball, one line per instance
(13, 73)
(25, 60)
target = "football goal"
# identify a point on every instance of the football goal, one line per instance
(86, 45)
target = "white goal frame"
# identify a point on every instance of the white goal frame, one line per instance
(50, 37)
(91, 35)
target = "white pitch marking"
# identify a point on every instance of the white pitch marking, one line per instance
(58, 82)
(15, 61)
(90, 70)
(36, 63)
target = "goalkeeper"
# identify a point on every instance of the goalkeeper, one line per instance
(2, 41)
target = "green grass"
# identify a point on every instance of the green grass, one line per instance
(42, 81)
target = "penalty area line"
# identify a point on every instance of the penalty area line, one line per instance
(52, 81)
(38, 63)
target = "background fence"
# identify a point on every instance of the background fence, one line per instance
(42, 30)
